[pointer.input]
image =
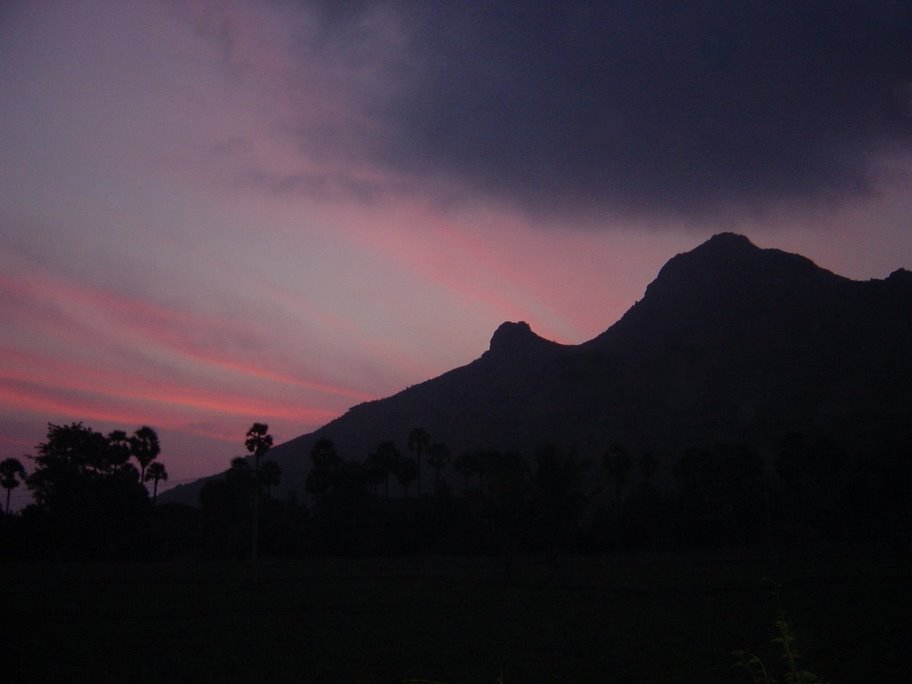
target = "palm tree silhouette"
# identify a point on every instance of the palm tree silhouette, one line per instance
(418, 442)
(483, 461)
(12, 473)
(376, 471)
(463, 465)
(270, 476)
(388, 455)
(155, 472)
(406, 472)
(508, 501)
(145, 448)
(438, 457)
(559, 501)
(258, 441)
(324, 470)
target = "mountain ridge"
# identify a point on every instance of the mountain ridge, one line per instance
(729, 342)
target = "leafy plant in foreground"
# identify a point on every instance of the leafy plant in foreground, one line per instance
(786, 642)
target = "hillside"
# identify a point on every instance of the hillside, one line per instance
(729, 343)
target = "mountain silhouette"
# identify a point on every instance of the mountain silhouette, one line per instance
(729, 343)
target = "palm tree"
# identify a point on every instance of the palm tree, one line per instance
(270, 476)
(324, 470)
(438, 457)
(406, 472)
(12, 473)
(155, 472)
(617, 462)
(389, 456)
(483, 461)
(145, 448)
(463, 466)
(258, 441)
(508, 500)
(559, 500)
(418, 442)
(376, 471)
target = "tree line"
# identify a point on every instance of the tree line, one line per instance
(551, 501)
(88, 490)
(89, 499)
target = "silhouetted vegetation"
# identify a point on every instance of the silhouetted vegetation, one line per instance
(419, 441)
(720, 493)
(12, 473)
(156, 472)
(530, 521)
(549, 503)
(89, 500)
(438, 459)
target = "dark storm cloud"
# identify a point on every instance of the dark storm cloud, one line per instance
(673, 107)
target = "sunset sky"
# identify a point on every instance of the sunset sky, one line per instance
(221, 212)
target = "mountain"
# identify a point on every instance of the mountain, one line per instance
(730, 343)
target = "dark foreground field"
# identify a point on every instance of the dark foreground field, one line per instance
(636, 618)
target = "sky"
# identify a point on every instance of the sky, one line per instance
(215, 213)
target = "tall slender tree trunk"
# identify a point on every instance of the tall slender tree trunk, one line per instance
(8, 492)
(254, 540)
(617, 501)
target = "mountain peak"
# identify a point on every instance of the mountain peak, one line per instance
(728, 242)
(723, 250)
(723, 278)
(510, 335)
(729, 260)
(900, 275)
(512, 338)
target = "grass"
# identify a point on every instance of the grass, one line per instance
(623, 618)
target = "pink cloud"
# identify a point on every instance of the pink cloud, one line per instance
(89, 314)
(100, 350)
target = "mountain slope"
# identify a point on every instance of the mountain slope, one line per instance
(729, 343)
(743, 342)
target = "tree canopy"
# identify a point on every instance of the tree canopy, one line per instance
(88, 495)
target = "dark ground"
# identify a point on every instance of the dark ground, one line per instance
(620, 618)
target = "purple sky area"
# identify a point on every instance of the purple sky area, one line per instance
(215, 213)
